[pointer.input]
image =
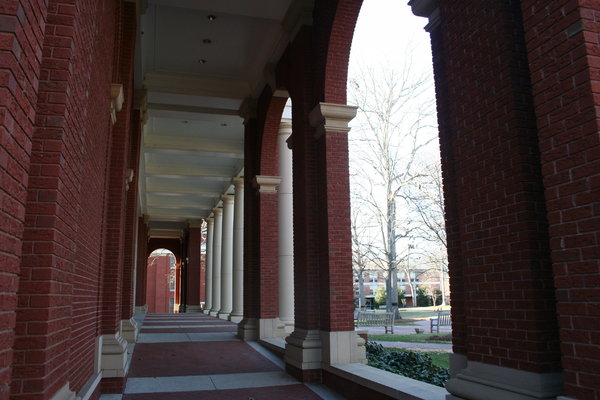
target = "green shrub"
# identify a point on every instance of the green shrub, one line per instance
(408, 363)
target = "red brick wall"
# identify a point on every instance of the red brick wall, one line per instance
(56, 320)
(495, 193)
(158, 292)
(563, 45)
(22, 29)
(141, 264)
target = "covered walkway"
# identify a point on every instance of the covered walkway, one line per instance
(191, 356)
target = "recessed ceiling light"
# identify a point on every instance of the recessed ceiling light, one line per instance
(223, 124)
(202, 61)
(211, 17)
(206, 41)
(184, 122)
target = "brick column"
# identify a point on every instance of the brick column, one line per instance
(335, 341)
(141, 274)
(504, 319)
(129, 328)
(193, 267)
(260, 321)
(210, 222)
(563, 49)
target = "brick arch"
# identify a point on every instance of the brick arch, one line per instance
(268, 134)
(334, 30)
(173, 245)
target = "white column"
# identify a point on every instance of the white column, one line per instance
(227, 258)
(216, 262)
(209, 257)
(237, 313)
(286, 228)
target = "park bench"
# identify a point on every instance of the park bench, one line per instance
(443, 319)
(371, 319)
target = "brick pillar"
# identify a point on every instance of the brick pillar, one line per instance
(563, 48)
(141, 274)
(19, 52)
(261, 290)
(129, 328)
(506, 343)
(114, 362)
(193, 268)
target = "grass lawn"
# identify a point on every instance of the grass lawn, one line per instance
(412, 338)
(440, 359)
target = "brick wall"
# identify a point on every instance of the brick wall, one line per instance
(22, 29)
(563, 44)
(56, 320)
(141, 263)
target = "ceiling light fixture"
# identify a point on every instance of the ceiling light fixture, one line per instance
(202, 61)
(211, 17)
(223, 124)
(206, 41)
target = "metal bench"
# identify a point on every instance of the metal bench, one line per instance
(370, 319)
(443, 319)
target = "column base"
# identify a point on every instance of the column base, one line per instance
(288, 325)
(64, 393)
(141, 309)
(114, 361)
(303, 349)
(206, 311)
(237, 318)
(248, 330)
(269, 328)
(343, 347)
(223, 315)
(129, 330)
(214, 313)
(193, 308)
(491, 382)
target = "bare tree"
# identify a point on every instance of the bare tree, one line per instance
(426, 199)
(360, 252)
(394, 124)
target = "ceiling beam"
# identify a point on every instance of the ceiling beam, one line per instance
(192, 109)
(198, 86)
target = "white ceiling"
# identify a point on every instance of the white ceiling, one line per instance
(195, 72)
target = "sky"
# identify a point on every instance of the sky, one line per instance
(385, 29)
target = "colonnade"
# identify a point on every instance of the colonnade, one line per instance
(225, 246)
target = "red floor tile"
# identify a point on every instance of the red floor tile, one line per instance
(288, 392)
(196, 358)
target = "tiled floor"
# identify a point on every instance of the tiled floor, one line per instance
(195, 356)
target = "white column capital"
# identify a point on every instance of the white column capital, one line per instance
(328, 117)
(266, 184)
(285, 127)
(227, 198)
(238, 183)
(217, 211)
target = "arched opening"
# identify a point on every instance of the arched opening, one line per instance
(162, 280)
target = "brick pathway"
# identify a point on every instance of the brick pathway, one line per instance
(195, 356)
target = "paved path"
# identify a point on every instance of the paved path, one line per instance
(193, 356)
